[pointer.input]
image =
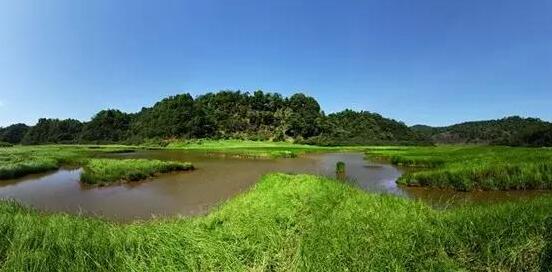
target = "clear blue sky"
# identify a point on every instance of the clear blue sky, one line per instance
(433, 62)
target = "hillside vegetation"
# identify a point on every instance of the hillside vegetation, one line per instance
(222, 115)
(288, 223)
(269, 116)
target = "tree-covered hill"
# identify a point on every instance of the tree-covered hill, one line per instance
(513, 131)
(349, 127)
(269, 116)
(222, 115)
(14, 133)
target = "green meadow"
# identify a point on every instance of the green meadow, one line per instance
(467, 168)
(288, 222)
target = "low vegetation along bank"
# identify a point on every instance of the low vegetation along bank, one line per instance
(469, 168)
(19, 161)
(288, 222)
(106, 171)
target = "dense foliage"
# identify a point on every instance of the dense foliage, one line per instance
(513, 131)
(288, 223)
(48, 131)
(364, 128)
(107, 126)
(13, 134)
(269, 116)
(224, 115)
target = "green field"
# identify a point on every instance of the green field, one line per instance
(106, 171)
(249, 149)
(288, 222)
(469, 168)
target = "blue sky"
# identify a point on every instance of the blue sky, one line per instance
(433, 62)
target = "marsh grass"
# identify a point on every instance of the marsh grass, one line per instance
(469, 168)
(247, 148)
(106, 171)
(287, 223)
(14, 169)
(19, 161)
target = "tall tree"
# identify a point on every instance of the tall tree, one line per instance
(304, 119)
(175, 116)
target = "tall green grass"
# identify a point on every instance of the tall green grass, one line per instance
(287, 223)
(19, 161)
(105, 171)
(469, 168)
(15, 169)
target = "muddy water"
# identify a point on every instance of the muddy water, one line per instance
(215, 180)
(186, 193)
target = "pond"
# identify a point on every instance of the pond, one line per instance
(215, 180)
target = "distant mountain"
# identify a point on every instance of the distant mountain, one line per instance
(513, 131)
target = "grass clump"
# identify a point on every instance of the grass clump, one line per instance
(105, 171)
(18, 168)
(287, 223)
(18, 161)
(469, 168)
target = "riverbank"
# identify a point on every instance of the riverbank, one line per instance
(18, 161)
(286, 222)
(467, 168)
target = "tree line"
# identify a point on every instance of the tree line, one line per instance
(221, 115)
(268, 116)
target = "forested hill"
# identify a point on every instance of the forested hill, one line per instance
(225, 114)
(513, 131)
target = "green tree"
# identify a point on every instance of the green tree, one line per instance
(303, 121)
(175, 116)
(13, 134)
(53, 131)
(107, 126)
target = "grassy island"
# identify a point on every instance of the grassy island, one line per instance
(106, 171)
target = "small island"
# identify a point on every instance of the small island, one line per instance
(107, 171)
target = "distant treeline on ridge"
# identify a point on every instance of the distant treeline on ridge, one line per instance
(266, 116)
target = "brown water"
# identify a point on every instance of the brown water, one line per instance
(215, 180)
